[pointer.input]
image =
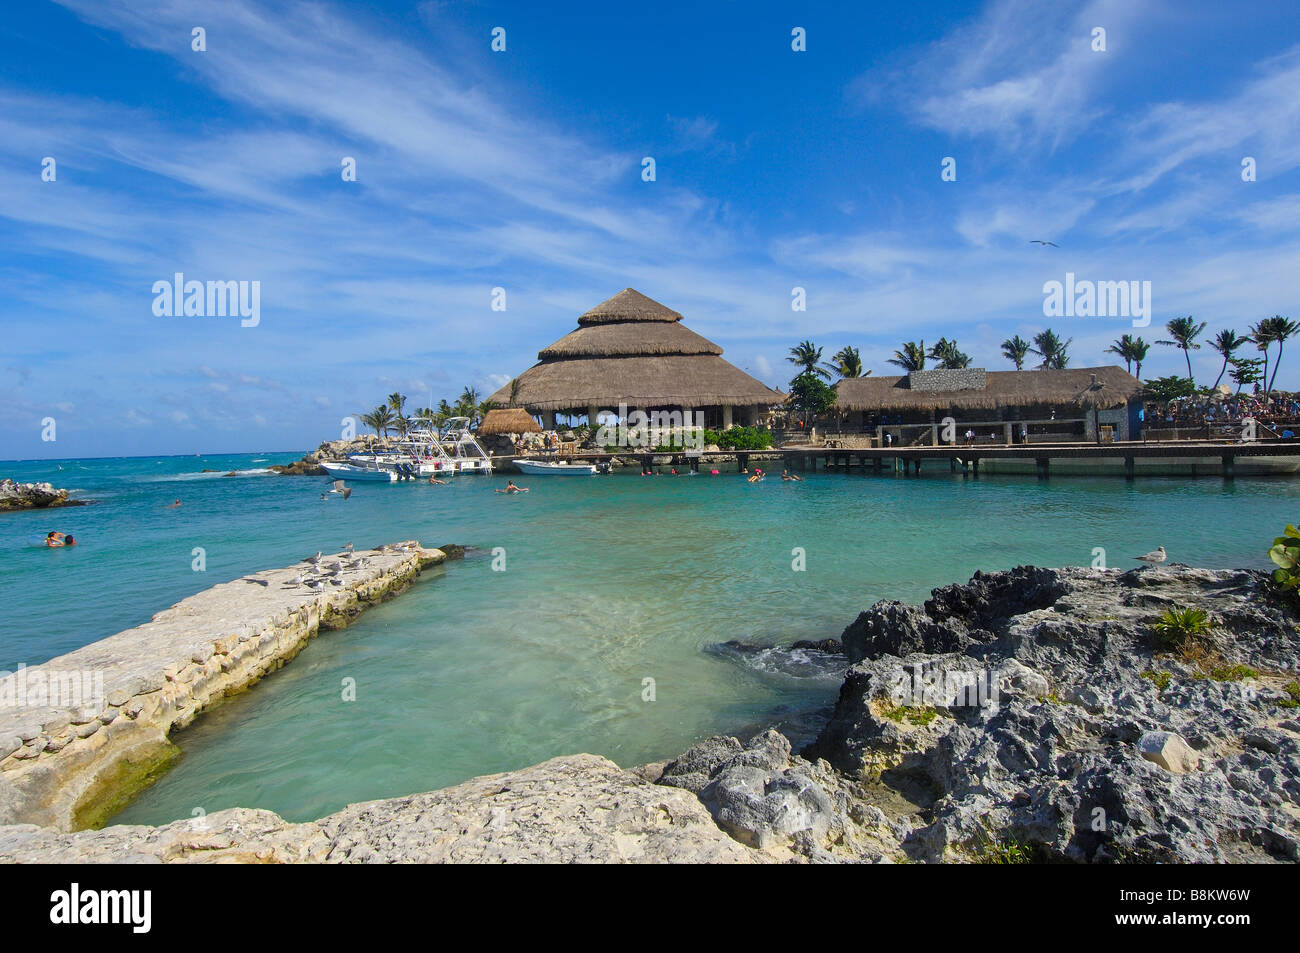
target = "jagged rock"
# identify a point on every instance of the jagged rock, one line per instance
(1168, 750)
(24, 496)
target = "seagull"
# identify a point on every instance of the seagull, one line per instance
(315, 585)
(334, 567)
(342, 490)
(297, 580)
(315, 560)
(1156, 557)
(1039, 241)
(347, 548)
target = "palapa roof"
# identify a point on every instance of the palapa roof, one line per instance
(1002, 389)
(631, 349)
(509, 420)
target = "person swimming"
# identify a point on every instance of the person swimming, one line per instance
(434, 481)
(59, 539)
(172, 506)
(511, 488)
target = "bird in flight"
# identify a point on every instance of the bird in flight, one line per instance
(1039, 241)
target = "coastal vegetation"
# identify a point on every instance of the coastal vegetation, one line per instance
(1285, 554)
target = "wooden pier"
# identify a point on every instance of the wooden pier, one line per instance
(1220, 455)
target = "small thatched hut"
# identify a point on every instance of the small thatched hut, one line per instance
(632, 350)
(506, 420)
(1065, 399)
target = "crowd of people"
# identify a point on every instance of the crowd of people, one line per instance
(1202, 411)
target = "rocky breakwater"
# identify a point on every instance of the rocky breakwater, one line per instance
(32, 496)
(1040, 715)
(81, 733)
(310, 464)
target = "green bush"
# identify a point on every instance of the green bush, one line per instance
(1161, 680)
(1285, 553)
(739, 438)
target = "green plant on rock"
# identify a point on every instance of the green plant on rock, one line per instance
(1285, 553)
(919, 715)
(1293, 690)
(1161, 680)
(1231, 673)
(1003, 850)
(1180, 626)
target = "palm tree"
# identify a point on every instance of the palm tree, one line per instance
(847, 362)
(1124, 348)
(1280, 330)
(380, 419)
(808, 356)
(396, 402)
(911, 357)
(1015, 349)
(948, 356)
(1261, 335)
(486, 406)
(467, 404)
(1051, 349)
(514, 392)
(1140, 349)
(1184, 332)
(1226, 343)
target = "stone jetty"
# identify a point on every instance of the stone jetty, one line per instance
(33, 496)
(81, 733)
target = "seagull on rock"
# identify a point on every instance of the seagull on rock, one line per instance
(1157, 556)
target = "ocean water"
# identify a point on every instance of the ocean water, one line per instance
(607, 582)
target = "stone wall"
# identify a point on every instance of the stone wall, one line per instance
(966, 378)
(74, 759)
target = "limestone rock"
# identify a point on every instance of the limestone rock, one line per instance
(1169, 750)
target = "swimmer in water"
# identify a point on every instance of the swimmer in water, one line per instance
(434, 481)
(59, 539)
(511, 488)
(172, 506)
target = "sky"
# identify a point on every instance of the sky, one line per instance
(522, 169)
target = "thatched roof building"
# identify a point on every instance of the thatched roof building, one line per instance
(503, 420)
(632, 350)
(1108, 396)
(974, 389)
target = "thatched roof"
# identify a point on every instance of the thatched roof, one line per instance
(631, 349)
(1002, 389)
(509, 420)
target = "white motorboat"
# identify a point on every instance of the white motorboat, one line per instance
(360, 472)
(463, 451)
(555, 468)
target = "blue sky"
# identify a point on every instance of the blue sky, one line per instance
(476, 169)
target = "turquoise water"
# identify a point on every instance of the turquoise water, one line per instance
(608, 581)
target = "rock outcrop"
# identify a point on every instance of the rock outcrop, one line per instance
(579, 809)
(31, 496)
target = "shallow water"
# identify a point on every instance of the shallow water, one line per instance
(608, 581)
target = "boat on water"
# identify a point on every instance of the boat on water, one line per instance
(462, 449)
(555, 468)
(359, 472)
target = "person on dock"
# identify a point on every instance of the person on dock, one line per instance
(511, 488)
(53, 539)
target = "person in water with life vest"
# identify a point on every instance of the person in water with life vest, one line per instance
(59, 539)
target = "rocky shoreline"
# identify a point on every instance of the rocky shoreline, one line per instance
(1033, 715)
(33, 496)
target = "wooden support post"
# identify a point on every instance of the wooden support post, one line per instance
(1129, 468)
(975, 465)
(1229, 466)
(952, 464)
(878, 463)
(1043, 463)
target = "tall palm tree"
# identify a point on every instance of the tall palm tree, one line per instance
(1051, 349)
(1124, 348)
(1280, 330)
(1015, 349)
(948, 356)
(808, 356)
(396, 402)
(847, 362)
(1226, 343)
(1184, 332)
(911, 357)
(380, 419)
(1261, 335)
(1140, 350)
